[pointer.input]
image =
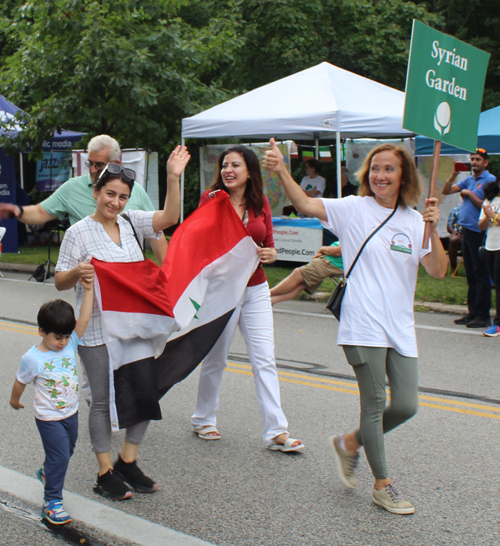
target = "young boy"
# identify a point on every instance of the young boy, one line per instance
(51, 366)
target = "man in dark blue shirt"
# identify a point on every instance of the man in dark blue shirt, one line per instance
(478, 278)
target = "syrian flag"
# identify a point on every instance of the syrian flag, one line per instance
(160, 323)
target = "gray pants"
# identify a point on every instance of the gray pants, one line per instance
(371, 365)
(96, 363)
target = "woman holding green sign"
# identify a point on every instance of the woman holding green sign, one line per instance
(377, 326)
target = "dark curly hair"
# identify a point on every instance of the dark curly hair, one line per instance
(254, 190)
(491, 190)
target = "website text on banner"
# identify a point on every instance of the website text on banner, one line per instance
(297, 239)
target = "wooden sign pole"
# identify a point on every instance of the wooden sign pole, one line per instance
(432, 187)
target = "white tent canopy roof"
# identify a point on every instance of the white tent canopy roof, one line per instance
(314, 103)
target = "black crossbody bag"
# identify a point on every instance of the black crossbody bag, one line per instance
(127, 217)
(334, 304)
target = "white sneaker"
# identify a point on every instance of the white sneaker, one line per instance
(390, 499)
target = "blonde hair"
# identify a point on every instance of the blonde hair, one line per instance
(412, 186)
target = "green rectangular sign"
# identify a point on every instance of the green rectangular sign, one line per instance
(444, 87)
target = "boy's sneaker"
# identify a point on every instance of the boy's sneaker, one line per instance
(390, 499)
(40, 474)
(134, 476)
(54, 512)
(346, 462)
(492, 331)
(110, 486)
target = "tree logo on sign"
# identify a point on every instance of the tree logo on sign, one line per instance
(442, 118)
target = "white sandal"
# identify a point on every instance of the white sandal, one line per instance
(203, 432)
(287, 446)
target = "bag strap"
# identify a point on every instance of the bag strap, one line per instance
(369, 237)
(127, 217)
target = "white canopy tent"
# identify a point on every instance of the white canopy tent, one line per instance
(322, 102)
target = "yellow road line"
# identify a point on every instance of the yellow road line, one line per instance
(13, 327)
(319, 384)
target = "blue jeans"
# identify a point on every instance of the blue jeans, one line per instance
(58, 439)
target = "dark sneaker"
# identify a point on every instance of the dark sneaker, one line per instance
(479, 322)
(346, 462)
(390, 499)
(134, 476)
(40, 474)
(54, 512)
(465, 319)
(111, 486)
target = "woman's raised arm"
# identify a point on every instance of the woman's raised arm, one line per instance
(176, 164)
(312, 206)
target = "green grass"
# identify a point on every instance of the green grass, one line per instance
(450, 290)
(39, 254)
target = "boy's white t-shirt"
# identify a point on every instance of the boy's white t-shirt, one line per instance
(309, 183)
(377, 309)
(55, 378)
(493, 232)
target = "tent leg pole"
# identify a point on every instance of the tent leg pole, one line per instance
(21, 170)
(339, 164)
(183, 142)
(316, 150)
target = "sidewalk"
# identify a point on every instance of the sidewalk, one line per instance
(431, 306)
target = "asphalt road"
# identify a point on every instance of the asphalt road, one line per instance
(234, 491)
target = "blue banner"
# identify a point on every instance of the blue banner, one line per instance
(311, 223)
(8, 195)
(52, 170)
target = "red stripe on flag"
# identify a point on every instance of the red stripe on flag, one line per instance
(209, 232)
(133, 287)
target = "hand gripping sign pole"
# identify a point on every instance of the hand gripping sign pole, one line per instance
(432, 188)
(444, 91)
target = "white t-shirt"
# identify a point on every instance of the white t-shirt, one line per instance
(493, 231)
(55, 377)
(309, 183)
(377, 309)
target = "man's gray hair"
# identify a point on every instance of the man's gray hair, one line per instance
(100, 142)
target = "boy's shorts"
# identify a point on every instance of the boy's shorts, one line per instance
(317, 271)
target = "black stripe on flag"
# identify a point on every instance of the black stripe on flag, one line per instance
(183, 354)
(140, 384)
(136, 392)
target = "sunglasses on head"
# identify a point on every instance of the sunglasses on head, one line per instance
(114, 168)
(480, 151)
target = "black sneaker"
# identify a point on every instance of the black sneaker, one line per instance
(134, 476)
(479, 322)
(465, 319)
(110, 486)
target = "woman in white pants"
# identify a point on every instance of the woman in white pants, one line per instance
(240, 176)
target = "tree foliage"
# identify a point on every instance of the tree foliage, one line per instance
(281, 37)
(122, 67)
(135, 69)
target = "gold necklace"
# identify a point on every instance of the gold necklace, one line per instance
(108, 231)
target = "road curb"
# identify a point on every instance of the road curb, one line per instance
(21, 268)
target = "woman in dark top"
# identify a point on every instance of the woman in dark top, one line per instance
(240, 176)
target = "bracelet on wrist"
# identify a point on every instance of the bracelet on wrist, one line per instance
(21, 210)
